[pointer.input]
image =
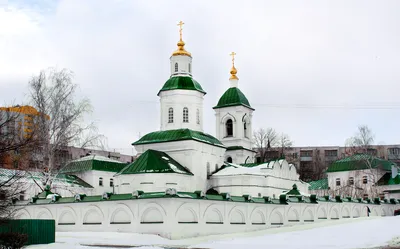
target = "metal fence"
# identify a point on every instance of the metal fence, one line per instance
(38, 231)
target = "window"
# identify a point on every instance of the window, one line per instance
(216, 167)
(306, 153)
(229, 159)
(245, 128)
(198, 115)
(229, 128)
(394, 151)
(185, 115)
(337, 181)
(176, 67)
(331, 152)
(372, 152)
(365, 179)
(170, 115)
(351, 180)
(15, 164)
(100, 181)
(22, 195)
(208, 171)
(111, 182)
(190, 68)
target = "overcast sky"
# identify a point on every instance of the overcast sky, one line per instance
(312, 69)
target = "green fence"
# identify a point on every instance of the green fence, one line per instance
(38, 231)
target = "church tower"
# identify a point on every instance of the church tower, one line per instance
(181, 97)
(234, 122)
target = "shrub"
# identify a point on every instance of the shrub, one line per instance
(12, 240)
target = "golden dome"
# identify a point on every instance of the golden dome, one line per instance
(181, 49)
(233, 73)
(233, 69)
(181, 44)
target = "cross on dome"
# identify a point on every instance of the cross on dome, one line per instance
(181, 44)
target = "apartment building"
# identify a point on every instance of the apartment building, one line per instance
(313, 161)
(19, 121)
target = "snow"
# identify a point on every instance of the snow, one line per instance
(365, 232)
(175, 168)
(97, 158)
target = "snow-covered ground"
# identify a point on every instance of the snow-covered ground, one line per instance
(360, 233)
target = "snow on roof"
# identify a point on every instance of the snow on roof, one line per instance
(264, 169)
(97, 158)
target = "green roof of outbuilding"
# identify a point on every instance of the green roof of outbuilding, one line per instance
(178, 135)
(387, 179)
(153, 161)
(360, 162)
(182, 83)
(93, 162)
(233, 97)
(319, 184)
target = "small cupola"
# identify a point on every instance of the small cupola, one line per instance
(181, 59)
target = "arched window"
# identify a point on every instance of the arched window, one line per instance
(185, 115)
(176, 67)
(190, 68)
(198, 116)
(170, 115)
(245, 128)
(100, 181)
(229, 128)
(229, 159)
(111, 182)
(208, 171)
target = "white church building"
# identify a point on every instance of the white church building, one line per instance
(186, 182)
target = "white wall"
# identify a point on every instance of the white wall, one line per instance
(178, 99)
(92, 177)
(373, 176)
(268, 179)
(154, 182)
(177, 218)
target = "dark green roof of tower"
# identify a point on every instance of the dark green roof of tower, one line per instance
(233, 97)
(153, 161)
(182, 83)
(178, 135)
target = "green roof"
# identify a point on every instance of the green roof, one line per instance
(233, 97)
(153, 161)
(182, 83)
(319, 184)
(360, 162)
(294, 191)
(387, 179)
(177, 135)
(238, 148)
(93, 162)
(152, 195)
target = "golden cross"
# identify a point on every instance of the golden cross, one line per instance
(180, 24)
(233, 57)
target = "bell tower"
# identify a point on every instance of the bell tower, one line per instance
(234, 121)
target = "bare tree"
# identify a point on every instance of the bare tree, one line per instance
(15, 142)
(52, 92)
(284, 143)
(264, 140)
(361, 141)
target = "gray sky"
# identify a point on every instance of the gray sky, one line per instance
(297, 61)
